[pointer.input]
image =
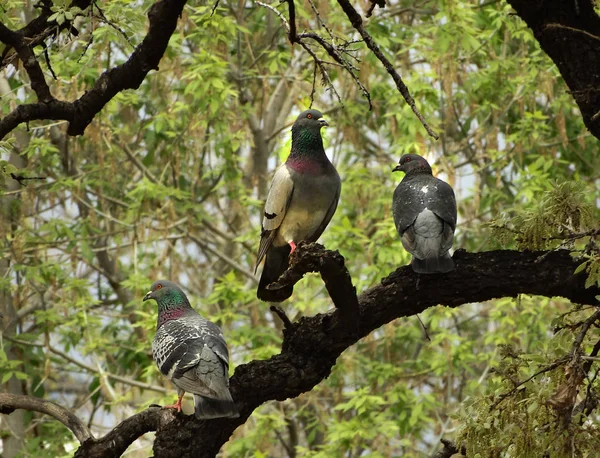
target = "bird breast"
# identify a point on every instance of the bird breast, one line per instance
(312, 198)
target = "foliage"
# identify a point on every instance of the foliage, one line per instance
(169, 181)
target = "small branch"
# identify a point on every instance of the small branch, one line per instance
(313, 257)
(20, 178)
(587, 324)
(10, 402)
(292, 35)
(285, 22)
(163, 17)
(356, 22)
(554, 365)
(571, 29)
(114, 444)
(572, 357)
(287, 324)
(32, 66)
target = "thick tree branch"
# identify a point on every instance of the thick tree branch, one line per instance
(569, 32)
(312, 345)
(330, 264)
(32, 66)
(10, 402)
(121, 437)
(163, 17)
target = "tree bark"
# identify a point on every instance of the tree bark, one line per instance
(569, 32)
(312, 345)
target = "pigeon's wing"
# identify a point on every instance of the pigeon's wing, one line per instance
(209, 377)
(408, 239)
(443, 203)
(278, 201)
(330, 212)
(406, 205)
(447, 238)
(193, 354)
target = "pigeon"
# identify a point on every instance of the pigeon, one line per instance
(302, 199)
(191, 352)
(424, 209)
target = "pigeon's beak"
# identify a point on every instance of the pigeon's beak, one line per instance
(323, 122)
(148, 296)
(398, 168)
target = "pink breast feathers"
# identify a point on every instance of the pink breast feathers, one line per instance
(303, 165)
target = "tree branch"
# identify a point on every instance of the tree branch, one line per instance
(356, 22)
(121, 437)
(568, 31)
(330, 264)
(312, 345)
(10, 402)
(163, 17)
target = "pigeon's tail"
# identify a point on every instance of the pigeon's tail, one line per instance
(433, 265)
(276, 263)
(205, 408)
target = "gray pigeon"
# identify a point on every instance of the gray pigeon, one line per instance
(424, 210)
(302, 199)
(191, 352)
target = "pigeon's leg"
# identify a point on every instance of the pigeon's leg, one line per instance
(293, 245)
(177, 405)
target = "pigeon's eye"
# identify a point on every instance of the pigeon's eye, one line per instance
(159, 286)
(408, 159)
(309, 116)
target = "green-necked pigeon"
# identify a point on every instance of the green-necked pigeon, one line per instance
(424, 210)
(303, 197)
(191, 352)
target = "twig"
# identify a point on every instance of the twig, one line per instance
(554, 365)
(113, 25)
(286, 24)
(47, 58)
(356, 22)
(333, 50)
(572, 29)
(424, 328)
(575, 353)
(292, 35)
(10, 402)
(287, 323)
(32, 66)
(20, 178)
(587, 324)
(92, 370)
(214, 8)
(163, 17)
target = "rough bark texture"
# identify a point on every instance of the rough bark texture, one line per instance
(312, 345)
(569, 32)
(162, 17)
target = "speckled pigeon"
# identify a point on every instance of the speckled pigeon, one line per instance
(191, 352)
(424, 210)
(302, 199)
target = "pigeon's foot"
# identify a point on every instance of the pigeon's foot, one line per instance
(177, 405)
(293, 245)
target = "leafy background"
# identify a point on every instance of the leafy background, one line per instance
(169, 181)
